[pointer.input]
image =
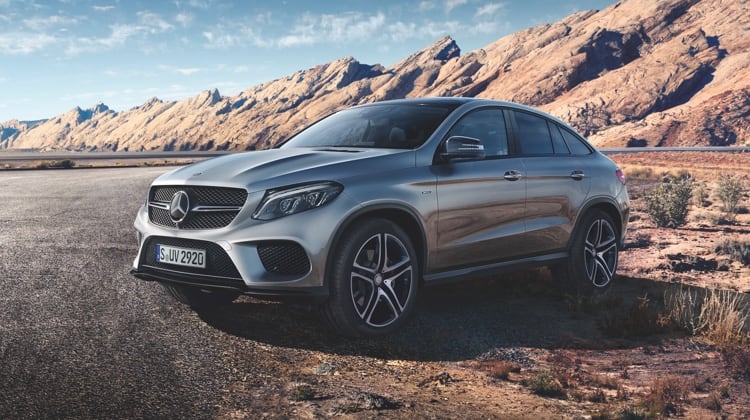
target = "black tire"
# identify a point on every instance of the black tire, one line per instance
(593, 256)
(198, 298)
(373, 280)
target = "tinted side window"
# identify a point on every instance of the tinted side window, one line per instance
(576, 146)
(557, 140)
(488, 126)
(533, 134)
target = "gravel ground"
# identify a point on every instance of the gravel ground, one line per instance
(81, 338)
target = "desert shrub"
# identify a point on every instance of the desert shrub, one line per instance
(666, 395)
(545, 385)
(717, 315)
(738, 361)
(738, 251)
(729, 193)
(700, 195)
(302, 392)
(667, 203)
(499, 369)
(598, 396)
(637, 320)
(55, 164)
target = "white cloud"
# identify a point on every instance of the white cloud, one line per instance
(180, 70)
(102, 8)
(153, 22)
(264, 18)
(43, 23)
(452, 4)
(489, 9)
(184, 19)
(343, 27)
(489, 27)
(426, 5)
(24, 43)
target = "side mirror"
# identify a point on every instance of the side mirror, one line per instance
(460, 147)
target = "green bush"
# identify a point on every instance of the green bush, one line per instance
(545, 385)
(667, 204)
(730, 192)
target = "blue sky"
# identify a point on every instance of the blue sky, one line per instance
(58, 54)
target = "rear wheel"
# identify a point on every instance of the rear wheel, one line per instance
(374, 280)
(593, 255)
(200, 298)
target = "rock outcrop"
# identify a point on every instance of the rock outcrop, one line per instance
(666, 73)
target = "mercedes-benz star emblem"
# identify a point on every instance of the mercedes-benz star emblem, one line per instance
(179, 206)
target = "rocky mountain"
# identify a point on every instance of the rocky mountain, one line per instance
(640, 72)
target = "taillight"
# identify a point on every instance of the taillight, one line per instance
(620, 176)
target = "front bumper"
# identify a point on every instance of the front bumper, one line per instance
(285, 257)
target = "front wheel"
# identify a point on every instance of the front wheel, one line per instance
(198, 298)
(593, 255)
(373, 281)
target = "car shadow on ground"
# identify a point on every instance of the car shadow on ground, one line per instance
(457, 321)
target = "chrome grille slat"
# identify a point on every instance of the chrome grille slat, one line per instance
(211, 207)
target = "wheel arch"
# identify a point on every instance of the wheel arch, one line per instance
(402, 216)
(606, 205)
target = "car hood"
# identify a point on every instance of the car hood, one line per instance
(265, 169)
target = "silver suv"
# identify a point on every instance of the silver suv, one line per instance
(364, 207)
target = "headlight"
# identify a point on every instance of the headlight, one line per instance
(283, 202)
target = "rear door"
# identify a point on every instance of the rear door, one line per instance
(557, 182)
(481, 202)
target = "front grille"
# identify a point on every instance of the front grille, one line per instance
(205, 197)
(220, 269)
(283, 257)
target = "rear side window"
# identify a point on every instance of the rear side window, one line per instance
(575, 144)
(557, 140)
(533, 134)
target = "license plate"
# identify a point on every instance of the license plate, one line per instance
(181, 256)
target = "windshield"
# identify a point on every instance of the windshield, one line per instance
(386, 126)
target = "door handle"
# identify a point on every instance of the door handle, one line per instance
(577, 175)
(513, 175)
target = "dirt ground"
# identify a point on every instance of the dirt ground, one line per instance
(541, 354)
(86, 340)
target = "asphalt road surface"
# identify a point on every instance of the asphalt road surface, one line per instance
(80, 337)
(77, 333)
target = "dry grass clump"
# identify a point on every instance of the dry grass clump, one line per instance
(500, 369)
(717, 315)
(666, 396)
(736, 250)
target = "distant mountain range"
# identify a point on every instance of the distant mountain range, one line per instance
(639, 73)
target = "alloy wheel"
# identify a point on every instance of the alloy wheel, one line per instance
(600, 253)
(381, 280)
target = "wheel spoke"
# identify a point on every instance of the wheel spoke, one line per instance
(392, 286)
(603, 271)
(389, 296)
(370, 254)
(363, 291)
